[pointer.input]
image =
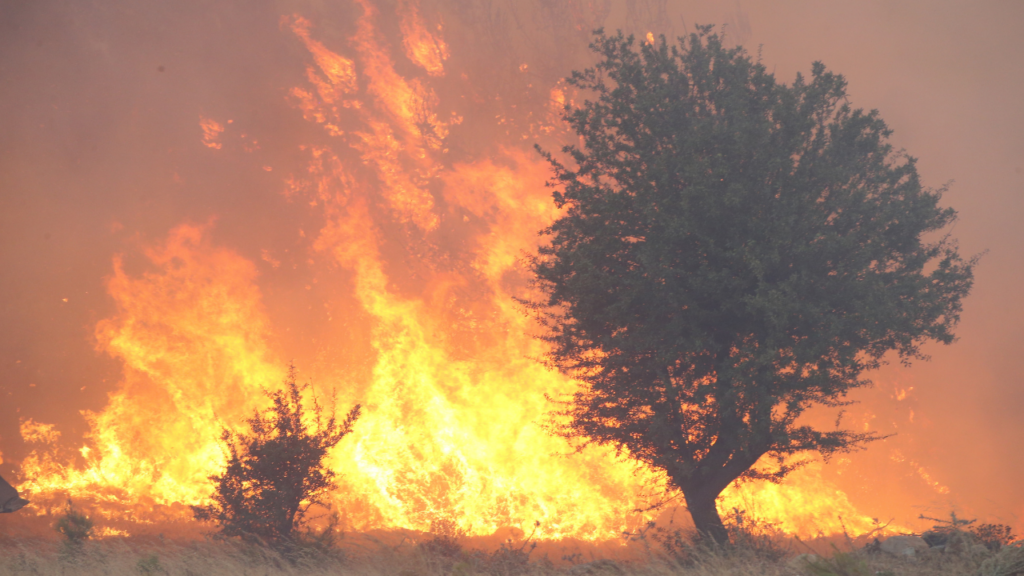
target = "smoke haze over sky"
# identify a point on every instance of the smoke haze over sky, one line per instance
(101, 153)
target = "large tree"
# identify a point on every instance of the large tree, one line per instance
(732, 251)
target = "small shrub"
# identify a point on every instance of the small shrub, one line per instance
(276, 472)
(74, 526)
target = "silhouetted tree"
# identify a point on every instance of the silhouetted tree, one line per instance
(276, 470)
(732, 251)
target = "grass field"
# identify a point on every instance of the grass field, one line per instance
(366, 555)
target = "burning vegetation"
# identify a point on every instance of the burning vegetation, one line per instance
(398, 264)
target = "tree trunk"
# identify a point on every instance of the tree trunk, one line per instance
(701, 504)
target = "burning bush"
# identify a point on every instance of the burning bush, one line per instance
(275, 472)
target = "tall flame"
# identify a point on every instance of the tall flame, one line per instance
(192, 339)
(455, 400)
(427, 50)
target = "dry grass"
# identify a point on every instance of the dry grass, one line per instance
(367, 557)
(1009, 561)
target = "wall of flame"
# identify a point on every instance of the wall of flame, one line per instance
(409, 207)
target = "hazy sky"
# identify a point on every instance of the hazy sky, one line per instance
(100, 153)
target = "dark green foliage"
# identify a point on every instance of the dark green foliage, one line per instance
(732, 252)
(74, 526)
(275, 472)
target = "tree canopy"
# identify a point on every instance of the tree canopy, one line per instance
(732, 251)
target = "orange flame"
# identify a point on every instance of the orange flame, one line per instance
(454, 398)
(211, 132)
(425, 49)
(191, 337)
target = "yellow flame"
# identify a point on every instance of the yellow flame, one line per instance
(805, 504)
(432, 444)
(191, 335)
(454, 398)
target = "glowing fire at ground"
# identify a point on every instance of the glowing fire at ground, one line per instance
(454, 407)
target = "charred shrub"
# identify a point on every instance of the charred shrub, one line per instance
(276, 472)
